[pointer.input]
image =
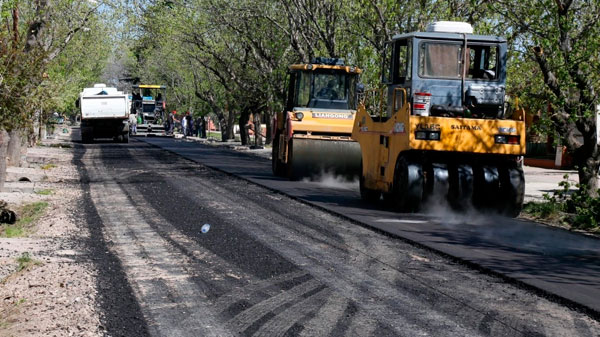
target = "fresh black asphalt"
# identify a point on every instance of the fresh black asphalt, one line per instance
(555, 261)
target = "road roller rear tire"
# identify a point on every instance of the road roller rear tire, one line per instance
(486, 187)
(408, 186)
(512, 191)
(460, 192)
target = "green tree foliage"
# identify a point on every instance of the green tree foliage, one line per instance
(46, 53)
(560, 38)
(233, 56)
(230, 58)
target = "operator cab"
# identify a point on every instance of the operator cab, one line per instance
(325, 83)
(447, 71)
(149, 102)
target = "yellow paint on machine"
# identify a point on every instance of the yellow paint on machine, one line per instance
(467, 135)
(382, 140)
(348, 69)
(323, 122)
(149, 86)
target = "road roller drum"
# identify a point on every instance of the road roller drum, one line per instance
(315, 157)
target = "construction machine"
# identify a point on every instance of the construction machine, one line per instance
(148, 103)
(104, 113)
(312, 135)
(443, 129)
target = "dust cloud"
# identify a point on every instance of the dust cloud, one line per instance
(331, 180)
(502, 231)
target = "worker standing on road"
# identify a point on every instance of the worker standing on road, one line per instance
(188, 124)
(184, 125)
(199, 127)
(171, 122)
(133, 123)
(191, 126)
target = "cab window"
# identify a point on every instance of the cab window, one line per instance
(403, 61)
(483, 62)
(440, 60)
(330, 86)
(303, 90)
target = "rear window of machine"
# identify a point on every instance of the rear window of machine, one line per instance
(443, 60)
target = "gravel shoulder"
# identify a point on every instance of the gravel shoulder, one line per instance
(47, 283)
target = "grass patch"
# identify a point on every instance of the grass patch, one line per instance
(59, 145)
(48, 166)
(543, 209)
(14, 231)
(27, 215)
(213, 135)
(44, 192)
(25, 261)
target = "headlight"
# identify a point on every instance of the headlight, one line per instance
(299, 115)
(507, 139)
(427, 135)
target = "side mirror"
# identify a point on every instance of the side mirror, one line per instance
(77, 103)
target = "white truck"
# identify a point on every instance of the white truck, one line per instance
(104, 114)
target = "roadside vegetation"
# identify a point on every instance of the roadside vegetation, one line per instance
(46, 167)
(576, 210)
(27, 215)
(44, 192)
(25, 261)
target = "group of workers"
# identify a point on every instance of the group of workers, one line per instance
(188, 125)
(191, 127)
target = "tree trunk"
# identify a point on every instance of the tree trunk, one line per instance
(587, 170)
(257, 130)
(588, 177)
(243, 123)
(24, 145)
(269, 133)
(4, 139)
(14, 148)
(227, 131)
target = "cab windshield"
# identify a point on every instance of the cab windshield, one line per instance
(328, 90)
(148, 107)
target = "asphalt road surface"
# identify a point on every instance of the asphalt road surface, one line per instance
(552, 260)
(270, 265)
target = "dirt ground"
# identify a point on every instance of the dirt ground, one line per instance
(53, 292)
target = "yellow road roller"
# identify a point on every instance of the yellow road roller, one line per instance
(443, 130)
(313, 135)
